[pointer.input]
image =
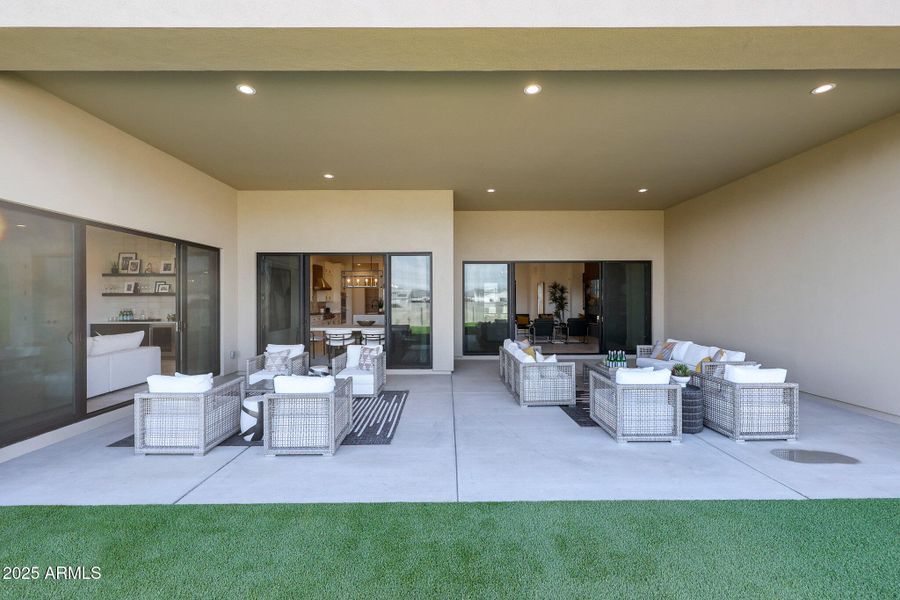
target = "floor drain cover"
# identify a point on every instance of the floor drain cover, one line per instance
(815, 457)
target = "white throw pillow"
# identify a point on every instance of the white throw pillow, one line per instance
(182, 384)
(105, 344)
(295, 350)
(735, 356)
(302, 384)
(754, 374)
(695, 353)
(646, 376)
(680, 349)
(353, 356)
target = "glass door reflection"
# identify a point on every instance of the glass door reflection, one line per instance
(485, 307)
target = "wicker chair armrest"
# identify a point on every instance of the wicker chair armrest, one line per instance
(338, 363)
(717, 369)
(300, 364)
(643, 351)
(255, 364)
(380, 369)
(343, 388)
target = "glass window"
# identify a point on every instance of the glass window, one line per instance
(410, 312)
(485, 307)
(625, 293)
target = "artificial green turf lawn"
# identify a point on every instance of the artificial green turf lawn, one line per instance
(741, 549)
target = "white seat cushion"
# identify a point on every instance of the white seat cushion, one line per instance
(303, 384)
(294, 350)
(363, 381)
(753, 374)
(647, 376)
(694, 354)
(182, 384)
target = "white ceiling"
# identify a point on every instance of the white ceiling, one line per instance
(588, 141)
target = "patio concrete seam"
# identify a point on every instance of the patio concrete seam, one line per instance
(764, 474)
(455, 450)
(207, 478)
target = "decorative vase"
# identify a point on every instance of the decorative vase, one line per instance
(682, 381)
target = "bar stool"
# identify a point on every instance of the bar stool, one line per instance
(372, 337)
(337, 340)
(315, 336)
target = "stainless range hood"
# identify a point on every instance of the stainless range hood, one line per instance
(319, 282)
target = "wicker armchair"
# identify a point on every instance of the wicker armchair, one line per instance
(750, 411)
(543, 384)
(314, 423)
(636, 413)
(299, 365)
(362, 386)
(186, 423)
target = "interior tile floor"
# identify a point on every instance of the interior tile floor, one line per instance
(463, 438)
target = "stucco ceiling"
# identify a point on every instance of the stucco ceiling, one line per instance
(588, 141)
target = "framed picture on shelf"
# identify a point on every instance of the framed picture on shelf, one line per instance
(158, 285)
(163, 288)
(125, 259)
(129, 287)
(167, 267)
(134, 266)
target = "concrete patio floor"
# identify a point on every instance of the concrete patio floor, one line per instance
(463, 438)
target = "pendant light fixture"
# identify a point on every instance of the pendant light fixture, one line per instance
(362, 275)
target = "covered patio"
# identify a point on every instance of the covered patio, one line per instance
(462, 438)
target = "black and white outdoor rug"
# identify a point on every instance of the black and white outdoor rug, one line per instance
(581, 412)
(375, 421)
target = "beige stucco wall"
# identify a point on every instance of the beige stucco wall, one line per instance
(799, 265)
(559, 235)
(57, 157)
(348, 221)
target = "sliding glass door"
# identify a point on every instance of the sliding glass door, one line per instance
(485, 307)
(625, 303)
(410, 341)
(42, 323)
(198, 306)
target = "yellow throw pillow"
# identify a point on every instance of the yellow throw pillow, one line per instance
(700, 364)
(530, 352)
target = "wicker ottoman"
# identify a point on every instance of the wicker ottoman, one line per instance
(691, 409)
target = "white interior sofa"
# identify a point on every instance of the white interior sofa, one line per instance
(119, 361)
(686, 353)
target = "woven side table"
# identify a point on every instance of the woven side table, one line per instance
(691, 409)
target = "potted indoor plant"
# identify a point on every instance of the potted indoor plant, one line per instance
(559, 298)
(681, 374)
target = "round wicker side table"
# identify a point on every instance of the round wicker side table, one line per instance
(691, 409)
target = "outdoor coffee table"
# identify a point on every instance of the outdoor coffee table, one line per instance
(604, 369)
(260, 388)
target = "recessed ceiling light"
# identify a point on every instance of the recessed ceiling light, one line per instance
(22, 226)
(246, 88)
(642, 191)
(328, 175)
(532, 89)
(822, 89)
(491, 190)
